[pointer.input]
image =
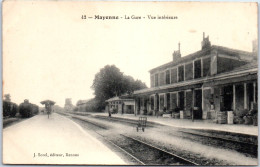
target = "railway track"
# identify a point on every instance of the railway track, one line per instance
(115, 119)
(244, 144)
(152, 155)
(248, 148)
(141, 152)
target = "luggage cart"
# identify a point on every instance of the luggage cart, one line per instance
(141, 123)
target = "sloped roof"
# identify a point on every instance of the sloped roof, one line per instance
(117, 98)
(113, 99)
(201, 53)
(48, 101)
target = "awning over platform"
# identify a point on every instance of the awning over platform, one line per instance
(246, 78)
(166, 90)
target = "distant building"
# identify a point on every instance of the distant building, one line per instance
(212, 79)
(68, 105)
(81, 105)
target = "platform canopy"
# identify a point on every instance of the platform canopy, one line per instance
(47, 102)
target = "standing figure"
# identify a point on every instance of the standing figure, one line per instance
(48, 106)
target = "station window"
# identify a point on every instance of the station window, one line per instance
(174, 75)
(161, 78)
(197, 68)
(156, 80)
(181, 73)
(168, 77)
(152, 81)
(188, 71)
(206, 66)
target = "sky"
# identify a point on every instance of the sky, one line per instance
(49, 52)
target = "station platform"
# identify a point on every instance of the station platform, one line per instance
(197, 124)
(56, 140)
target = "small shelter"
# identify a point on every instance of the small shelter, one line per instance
(122, 105)
(48, 104)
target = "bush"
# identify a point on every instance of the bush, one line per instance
(35, 109)
(241, 113)
(177, 110)
(177, 115)
(160, 113)
(14, 109)
(6, 108)
(25, 110)
(168, 112)
(145, 111)
(150, 113)
(9, 109)
(114, 111)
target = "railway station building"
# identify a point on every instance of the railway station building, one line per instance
(213, 79)
(121, 105)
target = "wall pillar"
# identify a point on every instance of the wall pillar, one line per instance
(193, 70)
(136, 105)
(177, 73)
(177, 97)
(165, 100)
(155, 102)
(134, 108)
(192, 104)
(184, 101)
(202, 92)
(254, 84)
(184, 72)
(201, 62)
(245, 96)
(234, 97)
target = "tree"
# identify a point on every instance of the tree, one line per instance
(7, 97)
(131, 85)
(110, 82)
(107, 83)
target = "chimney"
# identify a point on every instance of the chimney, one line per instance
(255, 47)
(205, 42)
(177, 53)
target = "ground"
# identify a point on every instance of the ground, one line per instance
(83, 136)
(35, 140)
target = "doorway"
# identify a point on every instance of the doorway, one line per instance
(198, 104)
(181, 100)
(227, 97)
